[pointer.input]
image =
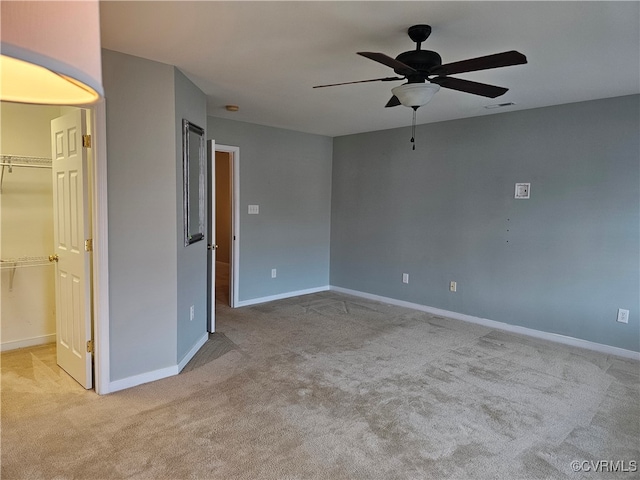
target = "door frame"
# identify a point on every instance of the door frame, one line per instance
(100, 260)
(234, 270)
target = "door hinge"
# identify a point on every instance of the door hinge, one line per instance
(89, 346)
(86, 141)
(88, 245)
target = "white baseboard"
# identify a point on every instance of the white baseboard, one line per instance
(28, 342)
(159, 374)
(280, 296)
(146, 377)
(174, 370)
(193, 351)
(553, 337)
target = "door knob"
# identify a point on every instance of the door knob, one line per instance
(53, 258)
(212, 247)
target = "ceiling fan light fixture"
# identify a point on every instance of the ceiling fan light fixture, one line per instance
(50, 53)
(26, 82)
(415, 95)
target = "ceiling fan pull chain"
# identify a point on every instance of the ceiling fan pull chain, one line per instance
(413, 128)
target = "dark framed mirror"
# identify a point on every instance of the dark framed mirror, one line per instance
(193, 159)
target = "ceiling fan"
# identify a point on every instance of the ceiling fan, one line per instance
(423, 67)
(425, 73)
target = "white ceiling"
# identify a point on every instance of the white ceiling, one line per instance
(266, 56)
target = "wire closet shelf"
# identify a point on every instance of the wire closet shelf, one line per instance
(12, 264)
(8, 162)
(21, 262)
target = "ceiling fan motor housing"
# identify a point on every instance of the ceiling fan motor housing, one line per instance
(421, 60)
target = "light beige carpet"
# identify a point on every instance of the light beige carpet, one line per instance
(217, 345)
(328, 386)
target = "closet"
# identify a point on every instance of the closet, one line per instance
(27, 295)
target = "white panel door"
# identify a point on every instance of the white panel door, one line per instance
(71, 229)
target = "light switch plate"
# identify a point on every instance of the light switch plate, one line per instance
(523, 190)
(254, 209)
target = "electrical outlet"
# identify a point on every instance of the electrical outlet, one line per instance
(623, 315)
(453, 286)
(192, 312)
(523, 190)
(405, 278)
(274, 272)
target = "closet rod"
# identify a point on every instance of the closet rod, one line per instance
(28, 165)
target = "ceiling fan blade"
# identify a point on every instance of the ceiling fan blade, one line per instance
(385, 79)
(468, 86)
(399, 67)
(496, 60)
(393, 102)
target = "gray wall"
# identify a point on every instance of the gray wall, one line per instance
(191, 104)
(141, 151)
(562, 262)
(289, 175)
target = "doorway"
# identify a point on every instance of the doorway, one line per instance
(28, 248)
(223, 188)
(223, 194)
